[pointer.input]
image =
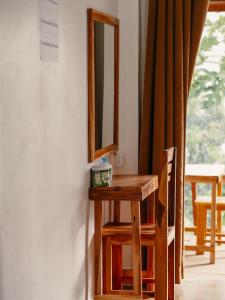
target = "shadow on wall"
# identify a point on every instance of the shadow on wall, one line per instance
(1, 266)
(86, 274)
(89, 257)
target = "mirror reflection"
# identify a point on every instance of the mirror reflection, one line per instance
(104, 84)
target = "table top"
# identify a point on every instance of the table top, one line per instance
(126, 187)
(204, 172)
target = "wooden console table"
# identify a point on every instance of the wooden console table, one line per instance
(131, 188)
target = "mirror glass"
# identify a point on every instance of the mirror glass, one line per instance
(104, 84)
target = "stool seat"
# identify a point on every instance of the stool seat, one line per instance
(126, 228)
(118, 297)
(122, 233)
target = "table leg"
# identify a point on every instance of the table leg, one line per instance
(171, 271)
(135, 210)
(151, 250)
(219, 225)
(219, 189)
(213, 224)
(193, 197)
(98, 247)
(117, 267)
(219, 214)
(107, 263)
(201, 227)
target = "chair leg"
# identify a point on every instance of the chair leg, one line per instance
(104, 256)
(194, 193)
(219, 213)
(116, 267)
(219, 224)
(98, 248)
(136, 248)
(161, 262)
(150, 267)
(112, 266)
(171, 273)
(107, 266)
(213, 226)
(201, 227)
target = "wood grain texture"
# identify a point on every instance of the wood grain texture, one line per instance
(200, 232)
(145, 294)
(213, 174)
(117, 252)
(170, 154)
(217, 6)
(204, 173)
(98, 248)
(206, 201)
(123, 235)
(117, 266)
(93, 16)
(161, 248)
(171, 271)
(193, 198)
(158, 233)
(126, 188)
(125, 185)
(120, 297)
(136, 248)
(219, 213)
(127, 277)
(108, 266)
(202, 178)
(219, 225)
(150, 260)
(200, 248)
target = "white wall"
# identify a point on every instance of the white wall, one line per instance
(43, 160)
(128, 135)
(143, 21)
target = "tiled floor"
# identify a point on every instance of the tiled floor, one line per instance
(202, 280)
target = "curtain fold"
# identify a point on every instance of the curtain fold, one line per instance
(174, 32)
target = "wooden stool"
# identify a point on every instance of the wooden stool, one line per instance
(194, 210)
(203, 204)
(213, 175)
(130, 188)
(160, 235)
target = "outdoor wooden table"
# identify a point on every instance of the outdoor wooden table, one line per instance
(214, 175)
(131, 188)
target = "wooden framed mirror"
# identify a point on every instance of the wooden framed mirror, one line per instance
(103, 84)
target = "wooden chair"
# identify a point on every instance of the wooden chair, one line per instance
(200, 205)
(194, 210)
(203, 204)
(159, 234)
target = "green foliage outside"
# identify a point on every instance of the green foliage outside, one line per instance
(205, 140)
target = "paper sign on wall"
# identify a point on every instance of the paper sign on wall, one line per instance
(49, 30)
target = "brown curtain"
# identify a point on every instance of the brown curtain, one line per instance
(174, 32)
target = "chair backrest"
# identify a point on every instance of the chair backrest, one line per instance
(172, 164)
(166, 198)
(165, 217)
